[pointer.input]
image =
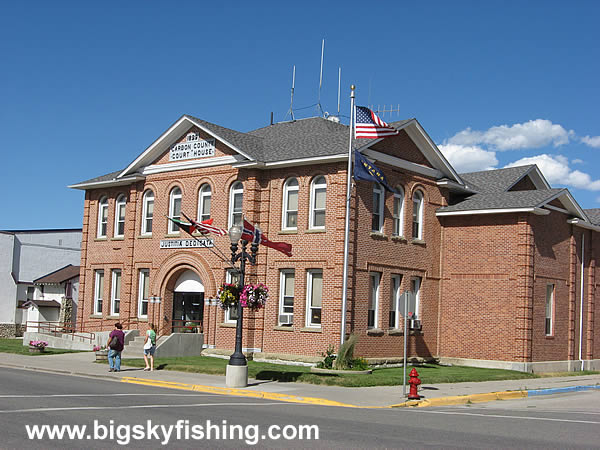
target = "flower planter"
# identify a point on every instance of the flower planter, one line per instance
(33, 349)
(102, 355)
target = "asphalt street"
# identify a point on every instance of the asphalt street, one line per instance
(37, 398)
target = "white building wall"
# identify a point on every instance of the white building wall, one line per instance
(8, 287)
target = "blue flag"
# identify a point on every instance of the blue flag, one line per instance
(365, 170)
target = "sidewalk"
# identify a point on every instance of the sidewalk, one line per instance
(382, 396)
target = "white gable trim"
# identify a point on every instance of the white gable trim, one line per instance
(166, 139)
(193, 164)
(583, 224)
(295, 162)
(402, 163)
(536, 177)
(569, 203)
(108, 183)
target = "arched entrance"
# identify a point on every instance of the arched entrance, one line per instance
(188, 303)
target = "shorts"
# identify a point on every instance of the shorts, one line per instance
(150, 351)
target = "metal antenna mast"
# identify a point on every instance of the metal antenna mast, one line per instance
(319, 108)
(291, 111)
(339, 85)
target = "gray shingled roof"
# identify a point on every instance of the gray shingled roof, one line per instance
(504, 200)
(499, 180)
(593, 214)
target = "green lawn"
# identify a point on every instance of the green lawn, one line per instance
(16, 346)
(429, 373)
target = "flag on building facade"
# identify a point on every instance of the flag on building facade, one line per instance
(252, 233)
(368, 125)
(366, 170)
(206, 226)
(189, 228)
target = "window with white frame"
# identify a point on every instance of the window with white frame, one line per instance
(395, 301)
(98, 291)
(147, 212)
(236, 198)
(398, 211)
(549, 309)
(102, 217)
(287, 279)
(204, 197)
(378, 198)
(314, 300)
(372, 314)
(415, 287)
(318, 197)
(231, 314)
(174, 209)
(290, 205)
(120, 216)
(144, 292)
(115, 293)
(417, 216)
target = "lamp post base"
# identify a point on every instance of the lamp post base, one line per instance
(236, 376)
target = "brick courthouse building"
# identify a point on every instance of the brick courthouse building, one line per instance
(504, 267)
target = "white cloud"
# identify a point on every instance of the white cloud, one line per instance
(592, 141)
(533, 134)
(465, 158)
(577, 161)
(557, 171)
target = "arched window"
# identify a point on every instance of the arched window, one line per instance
(378, 197)
(290, 205)
(174, 209)
(120, 216)
(398, 211)
(147, 212)
(102, 217)
(204, 196)
(236, 197)
(417, 215)
(318, 196)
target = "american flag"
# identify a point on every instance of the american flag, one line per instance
(368, 125)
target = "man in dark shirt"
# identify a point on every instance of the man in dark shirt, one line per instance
(115, 344)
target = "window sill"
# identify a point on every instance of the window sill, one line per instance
(282, 328)
(312, 329)
(173, 235)
(144, 236)
(550, 337)
(418, 242)
(113, 317)
(118, 238)
(374, 332)
(395, 332)
(96, 316)
(291, 231)
(316, 230)
(378, 236)
(227, 325)
(100, 239)
(399, 239)
(142, 319)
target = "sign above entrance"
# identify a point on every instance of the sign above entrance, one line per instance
(193, 147)
(187, 243)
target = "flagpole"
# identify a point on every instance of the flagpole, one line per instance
(347, 226)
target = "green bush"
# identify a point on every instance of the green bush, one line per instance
(328, 358)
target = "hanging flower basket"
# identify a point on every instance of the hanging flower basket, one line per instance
(228, 295)
(254, 296)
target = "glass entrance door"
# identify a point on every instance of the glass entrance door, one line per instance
(188, 312)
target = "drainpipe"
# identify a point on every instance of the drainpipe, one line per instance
(581, 300)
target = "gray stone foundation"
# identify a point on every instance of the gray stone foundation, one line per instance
(10, 330)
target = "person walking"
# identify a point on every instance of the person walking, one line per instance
(115, 344)
(150, 347)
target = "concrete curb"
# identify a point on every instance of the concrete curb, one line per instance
(463, 399)
(549, 391)
(236, 392)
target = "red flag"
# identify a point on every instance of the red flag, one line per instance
(206, 226)
(251, 233)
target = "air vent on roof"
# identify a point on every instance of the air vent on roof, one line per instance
(335, 119)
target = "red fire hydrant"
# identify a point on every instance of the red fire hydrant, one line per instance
(414, 383)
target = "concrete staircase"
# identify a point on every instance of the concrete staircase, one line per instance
(135, 347)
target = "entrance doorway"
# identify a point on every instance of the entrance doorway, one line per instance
(188, 303)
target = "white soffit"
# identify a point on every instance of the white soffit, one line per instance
(402, 163)
(189, 281)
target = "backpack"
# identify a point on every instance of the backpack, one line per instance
(114, 343)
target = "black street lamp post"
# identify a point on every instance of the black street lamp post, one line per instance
(237, 369)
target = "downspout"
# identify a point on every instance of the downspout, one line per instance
(581, 300)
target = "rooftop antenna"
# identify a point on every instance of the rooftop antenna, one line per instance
(339, 85)
(381, 111)
(319, 108)
(291, 111)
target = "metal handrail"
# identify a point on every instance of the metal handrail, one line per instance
(55, 328)
(196, 324)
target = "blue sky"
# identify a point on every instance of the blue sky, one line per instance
(85, 87)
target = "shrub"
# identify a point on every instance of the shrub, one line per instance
(328, 358)
(346, 353)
